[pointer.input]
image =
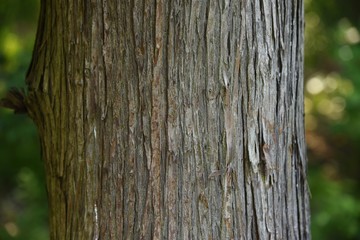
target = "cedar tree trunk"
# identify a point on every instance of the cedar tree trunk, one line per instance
(171, 119)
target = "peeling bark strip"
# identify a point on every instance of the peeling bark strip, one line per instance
(172, 119)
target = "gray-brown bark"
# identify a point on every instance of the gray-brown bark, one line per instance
(172, 119)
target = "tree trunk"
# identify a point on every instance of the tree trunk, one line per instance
(171, 119)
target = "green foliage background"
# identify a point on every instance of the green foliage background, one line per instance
(332, 103)
(23, 207)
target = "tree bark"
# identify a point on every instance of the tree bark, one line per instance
(171, 119)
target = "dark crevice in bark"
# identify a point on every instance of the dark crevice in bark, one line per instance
(255, 218)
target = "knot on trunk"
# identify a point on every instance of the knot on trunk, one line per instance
(15, 99)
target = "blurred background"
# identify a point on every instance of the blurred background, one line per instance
(332, 105)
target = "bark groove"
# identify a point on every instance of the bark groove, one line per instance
(172, 119)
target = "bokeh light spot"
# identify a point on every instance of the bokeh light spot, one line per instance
(315, 85)
(12, 229)
(352, 35)
(345, 53)
(11, 45)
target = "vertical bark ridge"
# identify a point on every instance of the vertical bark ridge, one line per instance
(172, 119)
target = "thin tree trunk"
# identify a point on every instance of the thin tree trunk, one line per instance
(172, 119)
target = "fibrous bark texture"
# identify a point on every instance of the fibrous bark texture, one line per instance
(172, 119)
